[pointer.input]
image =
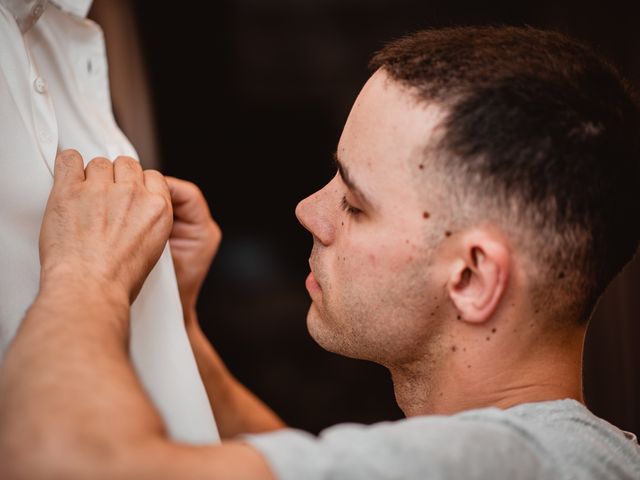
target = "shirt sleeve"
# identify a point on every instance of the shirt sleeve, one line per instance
(422, 448)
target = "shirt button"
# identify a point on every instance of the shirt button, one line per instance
(37, 11)
(39, 85)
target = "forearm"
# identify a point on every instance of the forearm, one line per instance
(67, 392)
(71, 406)
(236, 409)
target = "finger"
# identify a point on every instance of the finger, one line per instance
(155, 182)
(127, 169)
(186, 197)
(181, 190)
(68, 168)
(99, 170)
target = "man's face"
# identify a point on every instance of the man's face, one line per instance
(374, 292)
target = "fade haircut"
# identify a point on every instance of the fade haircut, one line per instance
(543, 130)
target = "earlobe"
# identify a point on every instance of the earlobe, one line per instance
(479, 277)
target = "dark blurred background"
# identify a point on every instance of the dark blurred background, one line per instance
(247, 99)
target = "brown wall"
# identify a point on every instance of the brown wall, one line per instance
(285, 74)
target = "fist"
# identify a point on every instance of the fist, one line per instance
(106, 224)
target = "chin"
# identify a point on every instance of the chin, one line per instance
(314, 325)
(319, 331)
(330, 337)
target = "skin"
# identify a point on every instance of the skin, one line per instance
(392, 286)
(448, 314)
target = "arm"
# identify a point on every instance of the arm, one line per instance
(70, 404)
(236, 409)
(194, 241)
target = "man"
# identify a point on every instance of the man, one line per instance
(476, 216)
(54, 92)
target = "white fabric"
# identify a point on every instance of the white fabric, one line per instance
(26, 12)
(54, 95)
(79, 8)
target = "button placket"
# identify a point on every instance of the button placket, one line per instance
(44, 119)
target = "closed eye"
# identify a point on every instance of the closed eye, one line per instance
(350, 209)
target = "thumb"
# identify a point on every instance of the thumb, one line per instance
(189, 204)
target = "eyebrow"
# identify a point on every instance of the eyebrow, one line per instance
(349, 182)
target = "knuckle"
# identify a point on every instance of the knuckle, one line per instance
(99, 163)
(159, 178)
(159, 204)
(126, 161)
(155, 176)
(194, 189)
(70, 157)
(197, 192)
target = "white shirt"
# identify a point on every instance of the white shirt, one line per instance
(54, 95)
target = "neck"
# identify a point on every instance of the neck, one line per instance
(503, 371)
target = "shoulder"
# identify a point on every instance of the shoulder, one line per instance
(555, 439)
(420, 447)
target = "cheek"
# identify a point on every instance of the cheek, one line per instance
(362, 254)
(355, 256)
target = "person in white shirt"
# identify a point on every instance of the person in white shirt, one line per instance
(485, 196)
(54, 94)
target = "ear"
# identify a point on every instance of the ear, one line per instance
(479, 275)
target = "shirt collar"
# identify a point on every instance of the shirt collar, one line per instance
(79, 8)
(27, 12)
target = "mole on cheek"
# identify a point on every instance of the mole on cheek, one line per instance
(425, 215)
(447, 233)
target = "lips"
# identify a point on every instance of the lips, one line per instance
(312, 284)
(315, 276)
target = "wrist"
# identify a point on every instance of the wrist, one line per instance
(190, 316)
(210, 364)
(82, 286)
(188, 300)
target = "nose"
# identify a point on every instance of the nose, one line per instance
(316, 215)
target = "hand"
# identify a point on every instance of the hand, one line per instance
(194, 240)
(105, 226)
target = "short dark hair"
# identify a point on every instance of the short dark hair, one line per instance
(537, 120)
